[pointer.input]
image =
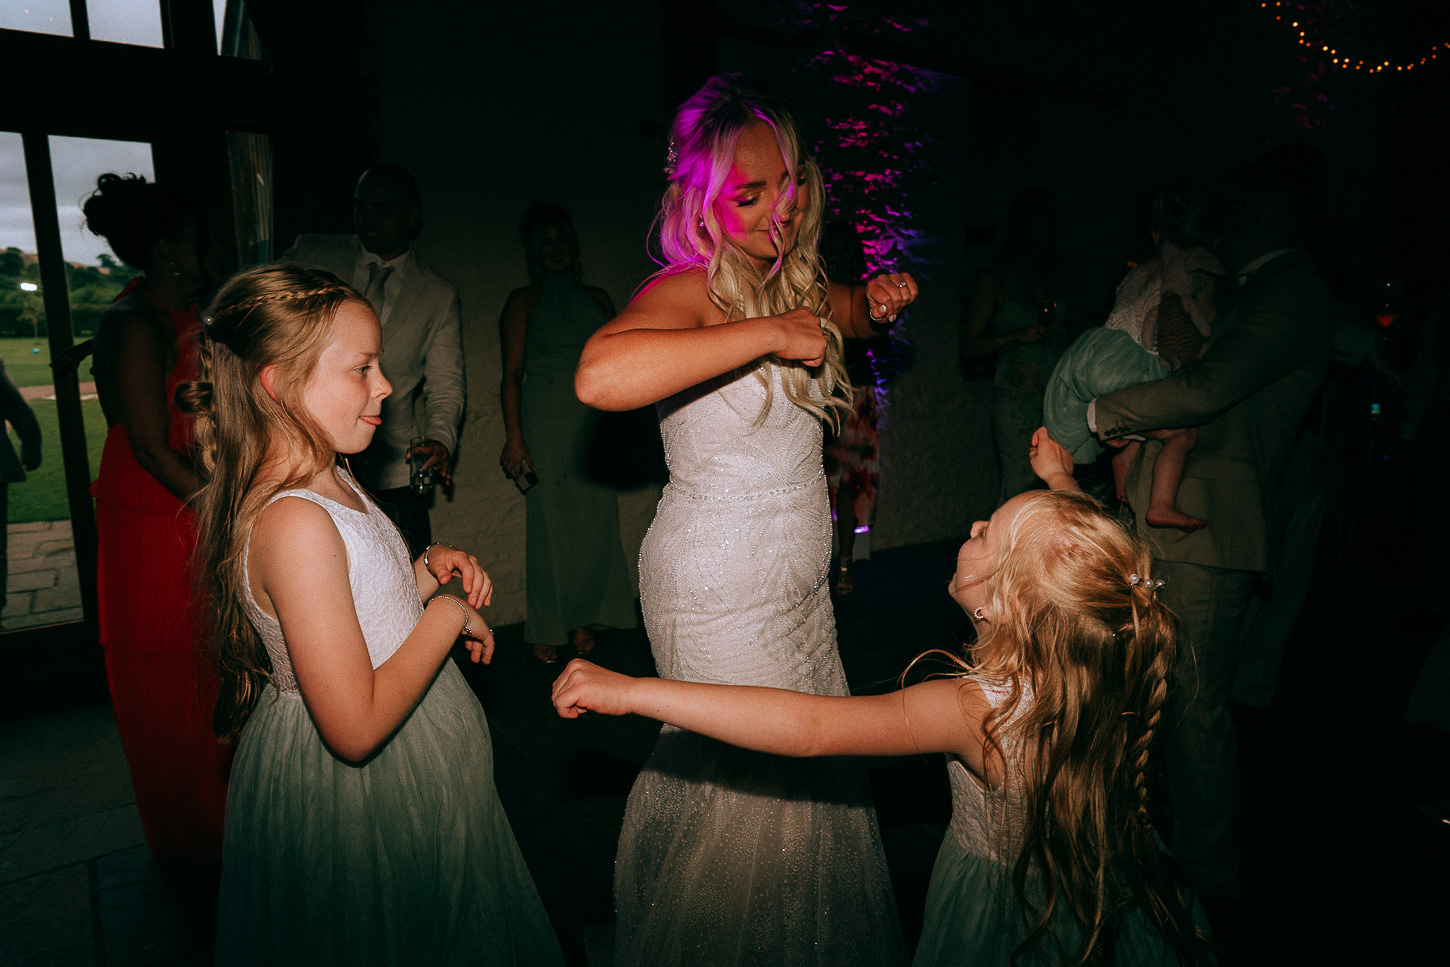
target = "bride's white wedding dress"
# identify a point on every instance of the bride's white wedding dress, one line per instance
(728, 856)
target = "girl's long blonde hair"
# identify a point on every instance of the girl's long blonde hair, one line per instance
(1087, 647)
(274, 316)
(702, 152)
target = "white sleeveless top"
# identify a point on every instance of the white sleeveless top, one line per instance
(989, 821)
(384, 590)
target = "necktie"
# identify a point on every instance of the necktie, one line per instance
(376, 293)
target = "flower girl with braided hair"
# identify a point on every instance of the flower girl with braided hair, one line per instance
(1049, 726)
(362, 823)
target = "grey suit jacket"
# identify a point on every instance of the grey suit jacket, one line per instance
(1248, 395)
(422, 356)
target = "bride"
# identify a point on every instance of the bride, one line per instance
(729, 856)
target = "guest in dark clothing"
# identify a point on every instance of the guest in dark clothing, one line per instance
(576, 578)
(1248, 395)
(15, 411)
(1019, 313)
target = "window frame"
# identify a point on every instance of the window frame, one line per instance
(182, 99)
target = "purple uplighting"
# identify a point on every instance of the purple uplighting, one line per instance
(873, 154)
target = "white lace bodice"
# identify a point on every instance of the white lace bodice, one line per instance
(987, 821)
(384, 589)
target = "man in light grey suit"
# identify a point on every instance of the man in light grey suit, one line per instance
(422, 340)
(1248, 395)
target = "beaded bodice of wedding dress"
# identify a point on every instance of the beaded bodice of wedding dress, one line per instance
(733, 571)
(728, 856)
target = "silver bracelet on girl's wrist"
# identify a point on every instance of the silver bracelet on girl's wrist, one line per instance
(462, 607)
(429, 550)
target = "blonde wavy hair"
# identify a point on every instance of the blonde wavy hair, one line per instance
(702, 152)
(1086, 648)
(278, 316)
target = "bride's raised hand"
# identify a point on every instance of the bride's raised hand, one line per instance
(888, 294)
(800, 337)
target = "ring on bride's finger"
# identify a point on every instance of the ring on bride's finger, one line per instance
(901, 285)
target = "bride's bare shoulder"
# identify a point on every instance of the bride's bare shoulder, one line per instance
(675, 299)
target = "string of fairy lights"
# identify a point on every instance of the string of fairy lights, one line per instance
(1347, 61)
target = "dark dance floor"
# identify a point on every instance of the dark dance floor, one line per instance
(1345, 862)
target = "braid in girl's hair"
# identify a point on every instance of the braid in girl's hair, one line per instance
(1153, 883)
(254, 442)
(1087, 648)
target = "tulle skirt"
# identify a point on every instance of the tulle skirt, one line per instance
(974, 916)
(732, 857)
(407, 858)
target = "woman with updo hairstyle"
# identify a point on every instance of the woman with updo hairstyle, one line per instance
(731, 857)
(576, 579)
(145, 347)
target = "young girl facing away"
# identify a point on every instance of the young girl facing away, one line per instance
(1162, 317)
(363, 825)
(1050, 857)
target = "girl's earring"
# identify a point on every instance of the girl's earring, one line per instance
(979, 615)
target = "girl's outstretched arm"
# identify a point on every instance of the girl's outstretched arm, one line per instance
(941, 715)
(298, 568)
(672, 337)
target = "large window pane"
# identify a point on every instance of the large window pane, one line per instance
(31, 524)
(22, 315)
(39, 570)
(125, 21)
(77, 163)
(42, 585)
(37, 16)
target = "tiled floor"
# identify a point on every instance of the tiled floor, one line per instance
(1343, 866)
(41, 582)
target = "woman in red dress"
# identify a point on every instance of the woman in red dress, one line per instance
(145, 346)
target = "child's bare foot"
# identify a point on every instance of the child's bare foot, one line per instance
(583, 641)
(1120, 475)
(1173, 517)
